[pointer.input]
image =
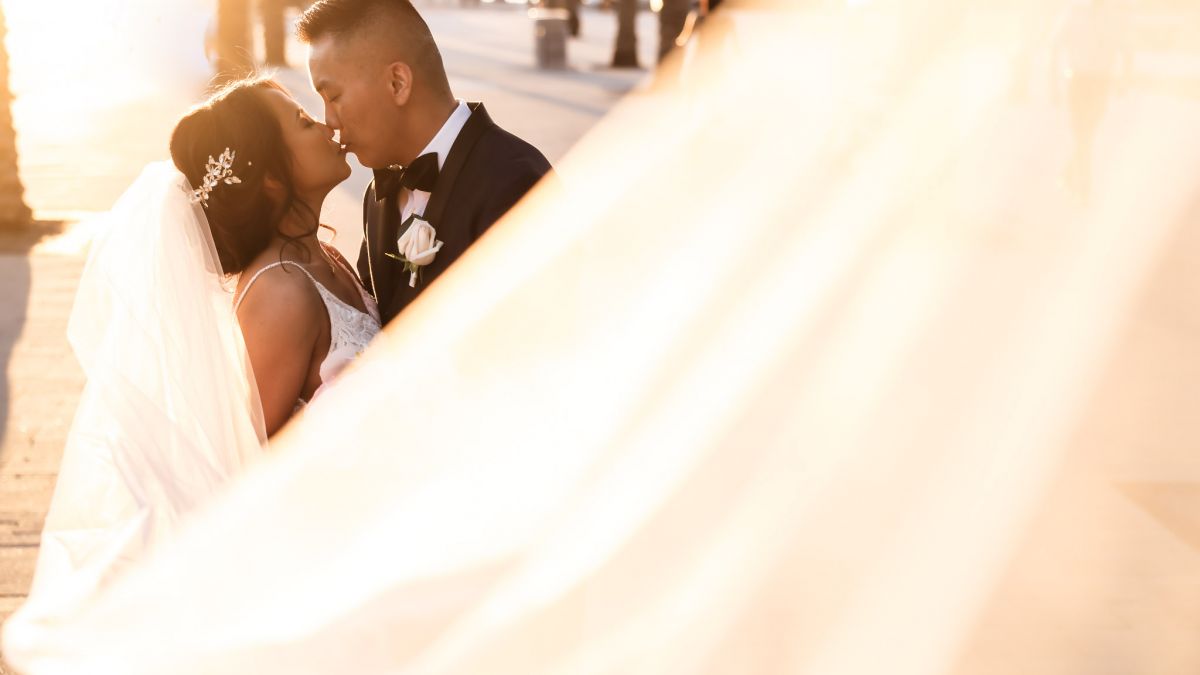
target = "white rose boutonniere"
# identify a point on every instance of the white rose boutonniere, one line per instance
(418, 247)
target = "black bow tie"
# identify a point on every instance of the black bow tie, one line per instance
(421, 175)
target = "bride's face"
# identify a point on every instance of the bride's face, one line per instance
(318, 163)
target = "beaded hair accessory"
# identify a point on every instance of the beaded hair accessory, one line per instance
(220, 170)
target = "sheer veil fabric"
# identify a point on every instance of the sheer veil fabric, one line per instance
(805, 366)
(169, 413)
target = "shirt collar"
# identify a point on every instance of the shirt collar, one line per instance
(444, 140)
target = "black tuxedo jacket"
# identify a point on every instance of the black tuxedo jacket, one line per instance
(486, 172)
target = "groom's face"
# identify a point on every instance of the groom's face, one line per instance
(360, 102)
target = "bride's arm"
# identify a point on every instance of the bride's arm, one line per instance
(280, 319)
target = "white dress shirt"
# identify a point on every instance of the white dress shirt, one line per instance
(415, 201)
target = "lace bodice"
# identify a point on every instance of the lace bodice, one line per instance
(350, 329)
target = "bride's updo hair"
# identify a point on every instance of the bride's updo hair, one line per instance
(242, 217)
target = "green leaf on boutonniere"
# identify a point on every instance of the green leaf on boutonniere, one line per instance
(408, 266)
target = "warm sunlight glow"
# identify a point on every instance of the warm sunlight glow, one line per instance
(70, 62)
(97, 69)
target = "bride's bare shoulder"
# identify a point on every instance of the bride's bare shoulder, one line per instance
(280, 294)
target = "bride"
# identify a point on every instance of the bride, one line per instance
(208, 314)
(301, 307)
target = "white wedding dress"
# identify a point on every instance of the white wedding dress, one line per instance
(170, 413)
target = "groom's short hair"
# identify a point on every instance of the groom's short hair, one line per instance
(396, 22)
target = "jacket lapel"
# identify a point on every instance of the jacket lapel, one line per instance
(381, 223)
(476, 125)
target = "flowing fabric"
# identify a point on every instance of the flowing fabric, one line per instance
(808, 366)
(169, 413)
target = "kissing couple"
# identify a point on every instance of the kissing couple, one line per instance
(209, 313)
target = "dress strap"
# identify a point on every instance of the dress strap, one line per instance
(238, 302)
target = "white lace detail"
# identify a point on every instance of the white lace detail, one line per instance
(350, 329)
(348, 326)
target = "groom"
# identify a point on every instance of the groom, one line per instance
(444, 171)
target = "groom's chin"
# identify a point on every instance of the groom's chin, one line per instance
(367, 160)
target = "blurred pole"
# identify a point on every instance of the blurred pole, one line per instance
(13, 211)
(274, 44)
(234, 55)
(625, 53)
(573, 20)
(671, 19)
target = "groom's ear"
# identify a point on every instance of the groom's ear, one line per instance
(400, 80)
